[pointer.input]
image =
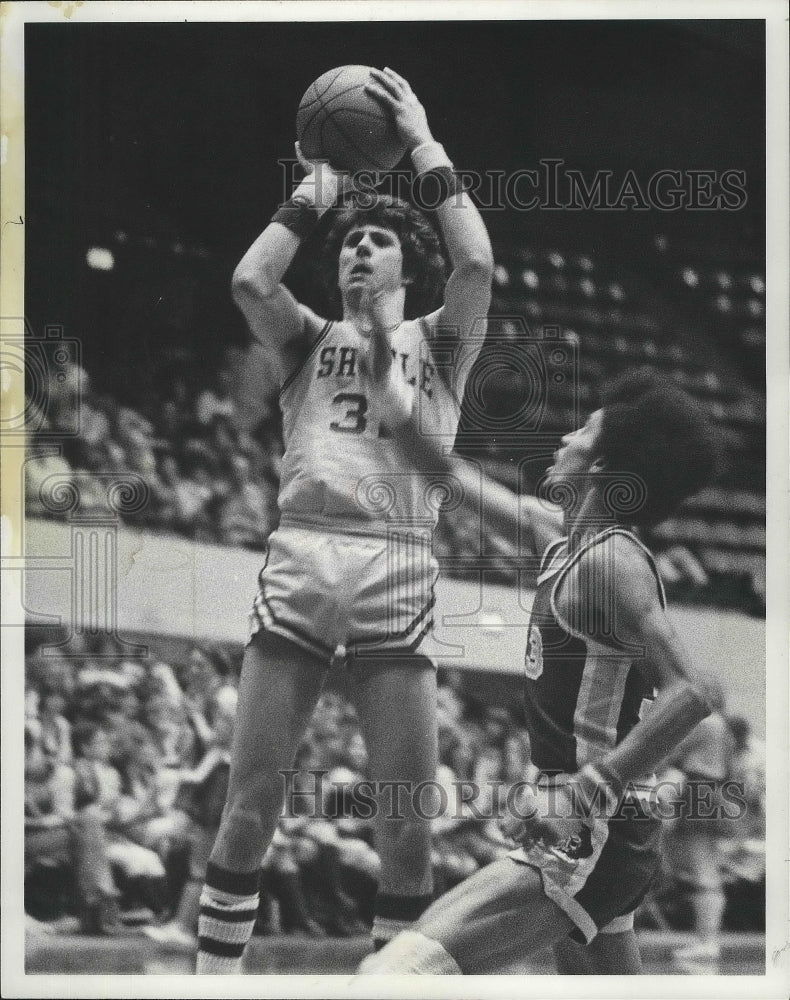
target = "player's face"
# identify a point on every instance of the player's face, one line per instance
(578, 450)
(370, 257)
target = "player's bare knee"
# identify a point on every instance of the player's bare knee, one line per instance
(264, 792)
(242, 839)
(253, 811)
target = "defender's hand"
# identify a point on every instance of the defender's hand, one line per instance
(395, 93)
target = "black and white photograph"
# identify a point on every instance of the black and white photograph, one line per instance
(394, 485)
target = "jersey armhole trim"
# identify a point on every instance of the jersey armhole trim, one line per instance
(650, 561)
(562, 573)
(313, 348)
(548, 555)
(429, 334)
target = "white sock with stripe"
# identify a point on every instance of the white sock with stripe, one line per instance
(228, 910)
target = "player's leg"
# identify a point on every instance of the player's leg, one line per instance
(615, 954)
(698, 860)
(396, 702)
(279, 687)
(499, 914)
(573, 959)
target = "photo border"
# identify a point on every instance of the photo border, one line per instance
(13, 17)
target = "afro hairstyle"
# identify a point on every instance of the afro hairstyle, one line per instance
(654, 430)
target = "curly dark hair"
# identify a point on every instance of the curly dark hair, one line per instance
(653, 429)
(423, 260)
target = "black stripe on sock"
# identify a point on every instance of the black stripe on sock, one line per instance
(236, 883)
(220, 948)
(229, 916)
(401, 907)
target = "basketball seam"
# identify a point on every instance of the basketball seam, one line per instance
(359, 111)
(342, 93)
(363, 152)
(332, 81)
(318, 99)
(326, 106)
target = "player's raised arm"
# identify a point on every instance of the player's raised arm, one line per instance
(504, 511)
(468, 292)
(274, 316)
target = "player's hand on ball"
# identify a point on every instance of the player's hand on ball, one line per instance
(395, 93)
(325, 184)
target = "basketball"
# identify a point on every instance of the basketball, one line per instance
(338, 122)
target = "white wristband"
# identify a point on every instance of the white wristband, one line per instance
(429, 156)
(321, 188)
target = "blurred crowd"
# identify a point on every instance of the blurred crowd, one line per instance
(122, 760)
(208, 477)
(126, 762)
(714, 858)
(126, 769)
(212, 477)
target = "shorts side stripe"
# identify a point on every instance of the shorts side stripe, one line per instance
(574, 910)
(406, 632)
(268, 621)
(364, 648)
(420, 617)
(619, 925)
(421, 636)
(580, 917)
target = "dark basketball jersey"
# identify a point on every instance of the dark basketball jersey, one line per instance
(583, 692)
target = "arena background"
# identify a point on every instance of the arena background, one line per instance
(151, 164)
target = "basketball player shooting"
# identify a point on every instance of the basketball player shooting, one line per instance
(336, 574)
(609, 693)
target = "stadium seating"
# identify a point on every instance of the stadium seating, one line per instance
(213, 480)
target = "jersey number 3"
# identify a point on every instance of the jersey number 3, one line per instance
(533, 659)
(354, 420)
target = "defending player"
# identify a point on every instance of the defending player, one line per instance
(350, 565)
(600, 642)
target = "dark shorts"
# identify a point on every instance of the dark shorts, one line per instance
(604, 874)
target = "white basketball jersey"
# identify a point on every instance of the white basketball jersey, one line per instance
(341, 465)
